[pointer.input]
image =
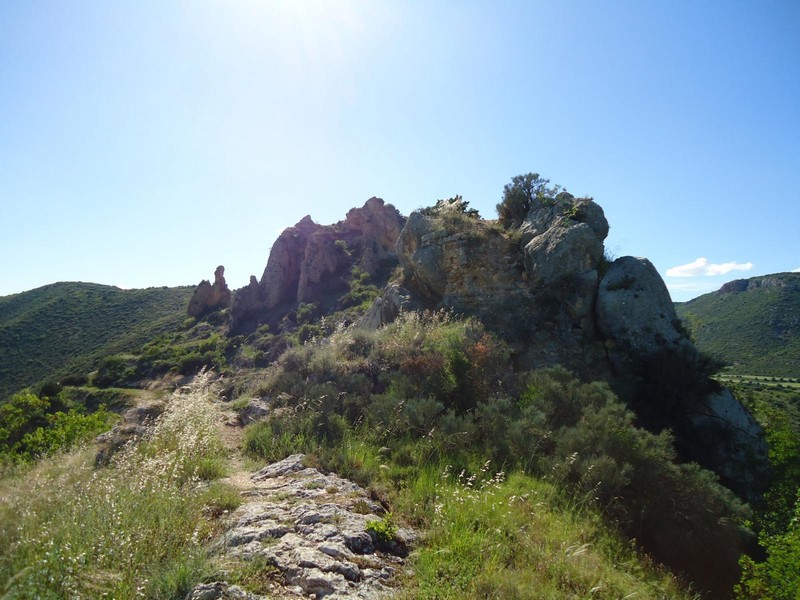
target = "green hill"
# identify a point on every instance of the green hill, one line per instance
(753, 324)
(67, 327)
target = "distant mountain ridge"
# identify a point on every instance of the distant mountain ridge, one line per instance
(68, 326)
(753, 324)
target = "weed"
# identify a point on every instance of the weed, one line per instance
(384, 530)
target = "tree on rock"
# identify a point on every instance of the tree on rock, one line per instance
(519, 195)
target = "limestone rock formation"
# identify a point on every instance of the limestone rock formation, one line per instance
(648, 347)
(563, 238)
(755, 283)
(208, 298)
(729, 439)
(454, 260)
(221, 590)
(136, 423)
(541, 288)
(546, 288)
(309, 260)
(635, 312)
(393, 300)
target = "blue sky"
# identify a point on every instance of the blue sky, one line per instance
(144, 143)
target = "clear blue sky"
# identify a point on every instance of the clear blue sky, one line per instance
(143, 143)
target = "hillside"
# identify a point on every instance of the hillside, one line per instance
(67, 327)
(753, 324)
(445, 400)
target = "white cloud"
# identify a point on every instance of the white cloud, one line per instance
(699, 287)
(701, 267)
(686, 290)
(797, 270)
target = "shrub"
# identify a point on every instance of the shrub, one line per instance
(63, 432)
(33, 427)
(519, 196)
(596, 451)
(115, 371)
(777, 577)
(361, 293)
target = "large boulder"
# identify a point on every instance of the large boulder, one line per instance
(562, 237)
(393, 300)
(545, 214)
(669, 380)
(635, 312)
(568, 249)
(730, 441)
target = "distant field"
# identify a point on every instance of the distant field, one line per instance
(785, 383)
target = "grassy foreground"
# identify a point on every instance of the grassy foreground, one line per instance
(141, 527)
(133, 529)
(485, 534)
(427, 413)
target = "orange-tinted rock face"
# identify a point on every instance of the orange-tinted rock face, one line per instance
(308, 258)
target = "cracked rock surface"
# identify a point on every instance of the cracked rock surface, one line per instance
(313, 528)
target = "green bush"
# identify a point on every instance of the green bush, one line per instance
(519, 196)
(361, 293)
(115, 370)
(32, 427)
(63, 431)
(777, 577)
(383, 530)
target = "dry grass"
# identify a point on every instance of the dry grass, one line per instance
(134, 529)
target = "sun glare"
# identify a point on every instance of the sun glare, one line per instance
(315, 35)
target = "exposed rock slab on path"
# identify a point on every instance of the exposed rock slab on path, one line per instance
(313, 528)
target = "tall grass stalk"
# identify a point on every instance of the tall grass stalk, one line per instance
(133, 529)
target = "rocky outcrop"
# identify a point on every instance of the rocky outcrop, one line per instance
(546, 288)
(136, 423)
(454, 260)
(649, 350)
(561, 238)
(393, 300)
(757, 283)
(635, 313)
(541, 287)
(208, 298)
(310, 260)
(314, 528)
(282, 274)
(221, 590)
(730, 441)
